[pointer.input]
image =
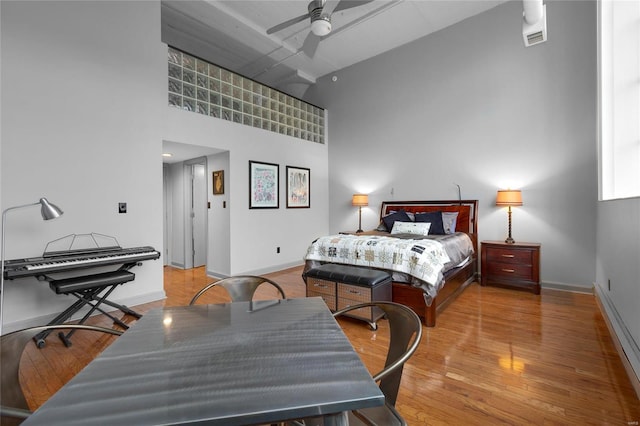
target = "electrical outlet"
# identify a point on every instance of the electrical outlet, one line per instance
(122, 207)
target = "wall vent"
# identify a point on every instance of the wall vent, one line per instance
(535, 38)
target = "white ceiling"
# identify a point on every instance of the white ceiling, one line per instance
(233, 34)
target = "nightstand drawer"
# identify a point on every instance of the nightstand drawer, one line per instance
(510, 270)
(508, 255)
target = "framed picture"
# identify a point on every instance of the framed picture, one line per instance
(218, 182)
(298, 187)
(264, 189)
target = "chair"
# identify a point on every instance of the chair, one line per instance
(403, 324)
(241, 287)
(13, 405)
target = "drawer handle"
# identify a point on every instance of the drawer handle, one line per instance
(321, 285)
(508, 255)
(508, 270)
(353, 291)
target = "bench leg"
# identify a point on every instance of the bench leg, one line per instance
(88, 297)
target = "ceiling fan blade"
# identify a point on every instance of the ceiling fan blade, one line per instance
(310, 44)
(348, 4)
(287, 23)
(330, 6)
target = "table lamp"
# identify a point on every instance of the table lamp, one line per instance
(48, 211)
(360, 200)
(509, 197)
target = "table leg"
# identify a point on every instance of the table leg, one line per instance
(337, 419)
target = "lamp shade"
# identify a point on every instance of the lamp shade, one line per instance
(49, 211)
(360, 200)
(509, 197)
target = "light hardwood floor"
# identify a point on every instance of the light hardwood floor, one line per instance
(496, 356)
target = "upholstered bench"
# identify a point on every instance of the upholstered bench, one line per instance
(341, 286)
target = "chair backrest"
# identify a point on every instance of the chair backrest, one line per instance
(403, 325)
(241, 288)
(13, 405)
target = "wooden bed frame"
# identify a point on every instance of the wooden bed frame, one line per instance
(455, 280)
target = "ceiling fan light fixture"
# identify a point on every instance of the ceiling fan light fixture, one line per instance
(321, 27)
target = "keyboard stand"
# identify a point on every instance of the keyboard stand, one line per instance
(87, 290)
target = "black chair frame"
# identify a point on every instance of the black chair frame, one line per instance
(241, 288)
(13, 405)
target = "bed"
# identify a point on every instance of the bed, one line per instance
(426, 287)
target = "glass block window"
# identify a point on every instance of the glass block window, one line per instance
(199, 86)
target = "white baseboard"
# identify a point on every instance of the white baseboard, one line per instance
(262, 271)
(626, 346)
(275, 268)
(574, 288)
(45, 319)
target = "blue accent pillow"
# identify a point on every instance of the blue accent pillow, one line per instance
(399, 216)
(435, 218)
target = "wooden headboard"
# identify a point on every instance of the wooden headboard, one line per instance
(467, 212)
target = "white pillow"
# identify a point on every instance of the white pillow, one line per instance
(416, 228)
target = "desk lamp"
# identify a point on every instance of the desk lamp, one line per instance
(509, 197)
(360, 200)
(48, 211)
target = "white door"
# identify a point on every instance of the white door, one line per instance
(199, 214)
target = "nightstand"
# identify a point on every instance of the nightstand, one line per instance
(511, 265)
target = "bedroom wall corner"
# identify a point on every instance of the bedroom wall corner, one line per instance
(618, 273)
(470, 105)
(254, 234)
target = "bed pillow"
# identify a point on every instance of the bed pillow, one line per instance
(399, 216)
(449, 220)
(435, 218)
(414, 228)
(381, 226)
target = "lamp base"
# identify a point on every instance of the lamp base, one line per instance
(359, 231)
(510, 240)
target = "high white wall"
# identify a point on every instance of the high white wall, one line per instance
(254, 234)
(84, 113)
(470, 105)
(83, 89)
(618, 271)
(218, 259)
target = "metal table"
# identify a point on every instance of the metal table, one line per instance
(224, 364)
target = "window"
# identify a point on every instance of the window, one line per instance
(619, 98)
(199, 86)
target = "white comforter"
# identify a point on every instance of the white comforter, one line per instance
(423, 260)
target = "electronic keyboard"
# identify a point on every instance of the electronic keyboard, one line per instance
(76, 259)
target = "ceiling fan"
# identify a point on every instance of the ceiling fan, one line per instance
(319, 12)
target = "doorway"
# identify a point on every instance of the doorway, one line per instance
(195, 212)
